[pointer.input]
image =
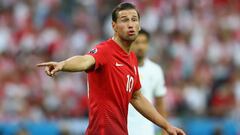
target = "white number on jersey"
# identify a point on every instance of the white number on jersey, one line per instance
(130, 82)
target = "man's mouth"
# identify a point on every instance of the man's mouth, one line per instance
(131, 32)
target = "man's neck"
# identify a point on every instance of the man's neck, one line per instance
(124, 44)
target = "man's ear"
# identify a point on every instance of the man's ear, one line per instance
(114, 26)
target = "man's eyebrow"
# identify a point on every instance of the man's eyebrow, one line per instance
(123, 16)
(126, 16)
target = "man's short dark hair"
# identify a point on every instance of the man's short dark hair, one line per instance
(123, 6)
(144, 32)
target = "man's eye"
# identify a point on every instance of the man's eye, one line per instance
(134, 19)
(124, 20)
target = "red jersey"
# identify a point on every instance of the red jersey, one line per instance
(111, 83)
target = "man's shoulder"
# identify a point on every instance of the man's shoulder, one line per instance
(103, 46)
(100, 49)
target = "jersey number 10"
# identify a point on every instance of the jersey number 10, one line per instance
(130, 82)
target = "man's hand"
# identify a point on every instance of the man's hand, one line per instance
(52, 67)
(171, 130)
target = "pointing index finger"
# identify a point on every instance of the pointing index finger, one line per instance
(44, 64)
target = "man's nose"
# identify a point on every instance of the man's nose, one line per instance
(130, 24)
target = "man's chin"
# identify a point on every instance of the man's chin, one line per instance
(131, 38)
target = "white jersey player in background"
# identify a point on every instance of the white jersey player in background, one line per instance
(153, 87)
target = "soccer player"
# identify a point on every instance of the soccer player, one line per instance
(152, 80)
(113, 78)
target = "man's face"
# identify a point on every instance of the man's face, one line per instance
(140, 46)
(127, 25)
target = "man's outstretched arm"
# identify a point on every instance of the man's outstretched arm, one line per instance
(143, 106)
(73, 64)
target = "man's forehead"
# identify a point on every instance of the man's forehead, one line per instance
(129, 12)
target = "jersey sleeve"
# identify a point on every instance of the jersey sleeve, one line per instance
(99, 53)
(137, 85)
(160, 88)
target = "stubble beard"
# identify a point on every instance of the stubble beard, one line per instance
(129, 38)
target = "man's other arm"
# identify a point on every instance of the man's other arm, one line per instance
(143, 106)
(160, 106)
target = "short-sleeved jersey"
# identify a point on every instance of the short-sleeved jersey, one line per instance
(111, 83)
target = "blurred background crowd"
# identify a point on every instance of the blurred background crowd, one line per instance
(196, 42)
